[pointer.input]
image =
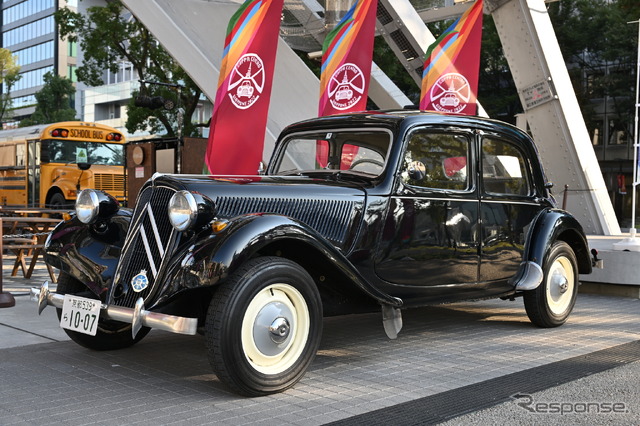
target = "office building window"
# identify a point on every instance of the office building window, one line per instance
(25, 9)
(72, 49)
(28, 32)
(71, 73)
(33, 54)
(31, 79)
(23, 101)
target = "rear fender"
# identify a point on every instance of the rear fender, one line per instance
(549, 226)
(213, 259)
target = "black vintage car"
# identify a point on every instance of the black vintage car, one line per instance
(369, 211)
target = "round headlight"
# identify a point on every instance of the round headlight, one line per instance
(183, 210)
(87, 205)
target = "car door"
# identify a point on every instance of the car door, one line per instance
(508, 206)
(430, 239)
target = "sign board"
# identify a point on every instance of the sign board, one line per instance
(537, 94)
(81, 155)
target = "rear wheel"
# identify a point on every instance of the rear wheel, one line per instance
(550, 304)
(263, 327)
(110, 335)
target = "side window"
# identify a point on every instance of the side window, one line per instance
(437, 160)
(504, 169)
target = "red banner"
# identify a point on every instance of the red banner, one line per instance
(347, 53)
(346, 61)
(452, 65)
(239, 121)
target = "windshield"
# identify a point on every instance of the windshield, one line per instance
(363, 151)
(109, 154)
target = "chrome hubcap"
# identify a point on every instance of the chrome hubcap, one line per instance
(272, 327)
(279, 330)
(560, 285)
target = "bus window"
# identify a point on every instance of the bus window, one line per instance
(109, 154)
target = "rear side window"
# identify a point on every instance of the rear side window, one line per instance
(504, 169)
(437, 160)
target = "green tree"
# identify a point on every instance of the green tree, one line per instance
(601, 48)
(53, 101)
(108, 35)
(9, 75)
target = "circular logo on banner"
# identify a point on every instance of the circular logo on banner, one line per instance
(246, 81)
(451, 93)
(346, 87)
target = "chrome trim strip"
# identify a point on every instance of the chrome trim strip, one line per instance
(147, 250)
(443, 198)
(528, 203)
(172, 323)
(156, 233)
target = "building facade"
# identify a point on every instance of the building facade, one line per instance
(30, 33)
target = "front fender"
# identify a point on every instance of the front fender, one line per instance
(89, 253)
(216, 257)
(549, 226)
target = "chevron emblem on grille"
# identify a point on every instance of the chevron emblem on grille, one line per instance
(145, 241)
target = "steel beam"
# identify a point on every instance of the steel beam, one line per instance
(552, 111)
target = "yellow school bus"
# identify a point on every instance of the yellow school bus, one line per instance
(47, 165)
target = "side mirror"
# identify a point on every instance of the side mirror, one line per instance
(84, 166)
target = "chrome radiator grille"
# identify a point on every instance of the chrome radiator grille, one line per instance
(330, 218)
(151, 236)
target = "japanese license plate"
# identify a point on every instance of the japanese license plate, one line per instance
(80, 314)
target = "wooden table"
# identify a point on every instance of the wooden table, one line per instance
(32, 212)
(26, 236)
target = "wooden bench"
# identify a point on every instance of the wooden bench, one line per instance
(15, 233)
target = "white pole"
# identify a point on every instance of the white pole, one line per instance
(632, 243)
(632, 231)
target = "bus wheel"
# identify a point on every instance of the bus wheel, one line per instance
(57, 201)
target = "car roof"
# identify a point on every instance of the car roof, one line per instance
(400, 117)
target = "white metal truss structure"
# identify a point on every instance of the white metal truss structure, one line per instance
(193, 32)
(552, 110)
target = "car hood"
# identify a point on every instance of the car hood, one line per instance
(334, 209)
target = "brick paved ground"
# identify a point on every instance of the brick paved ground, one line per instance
(166, 378)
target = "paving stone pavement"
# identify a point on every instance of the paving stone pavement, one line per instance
(166, 378)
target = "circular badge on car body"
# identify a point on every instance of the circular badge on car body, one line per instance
(246, 81)
(140, 281)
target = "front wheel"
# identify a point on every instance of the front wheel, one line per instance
(550, 304)
(110, 335)
(58, 202)
(264, 326)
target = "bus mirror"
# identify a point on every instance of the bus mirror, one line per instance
(84, 166)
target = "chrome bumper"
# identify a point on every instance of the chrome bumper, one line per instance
(138, 317)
